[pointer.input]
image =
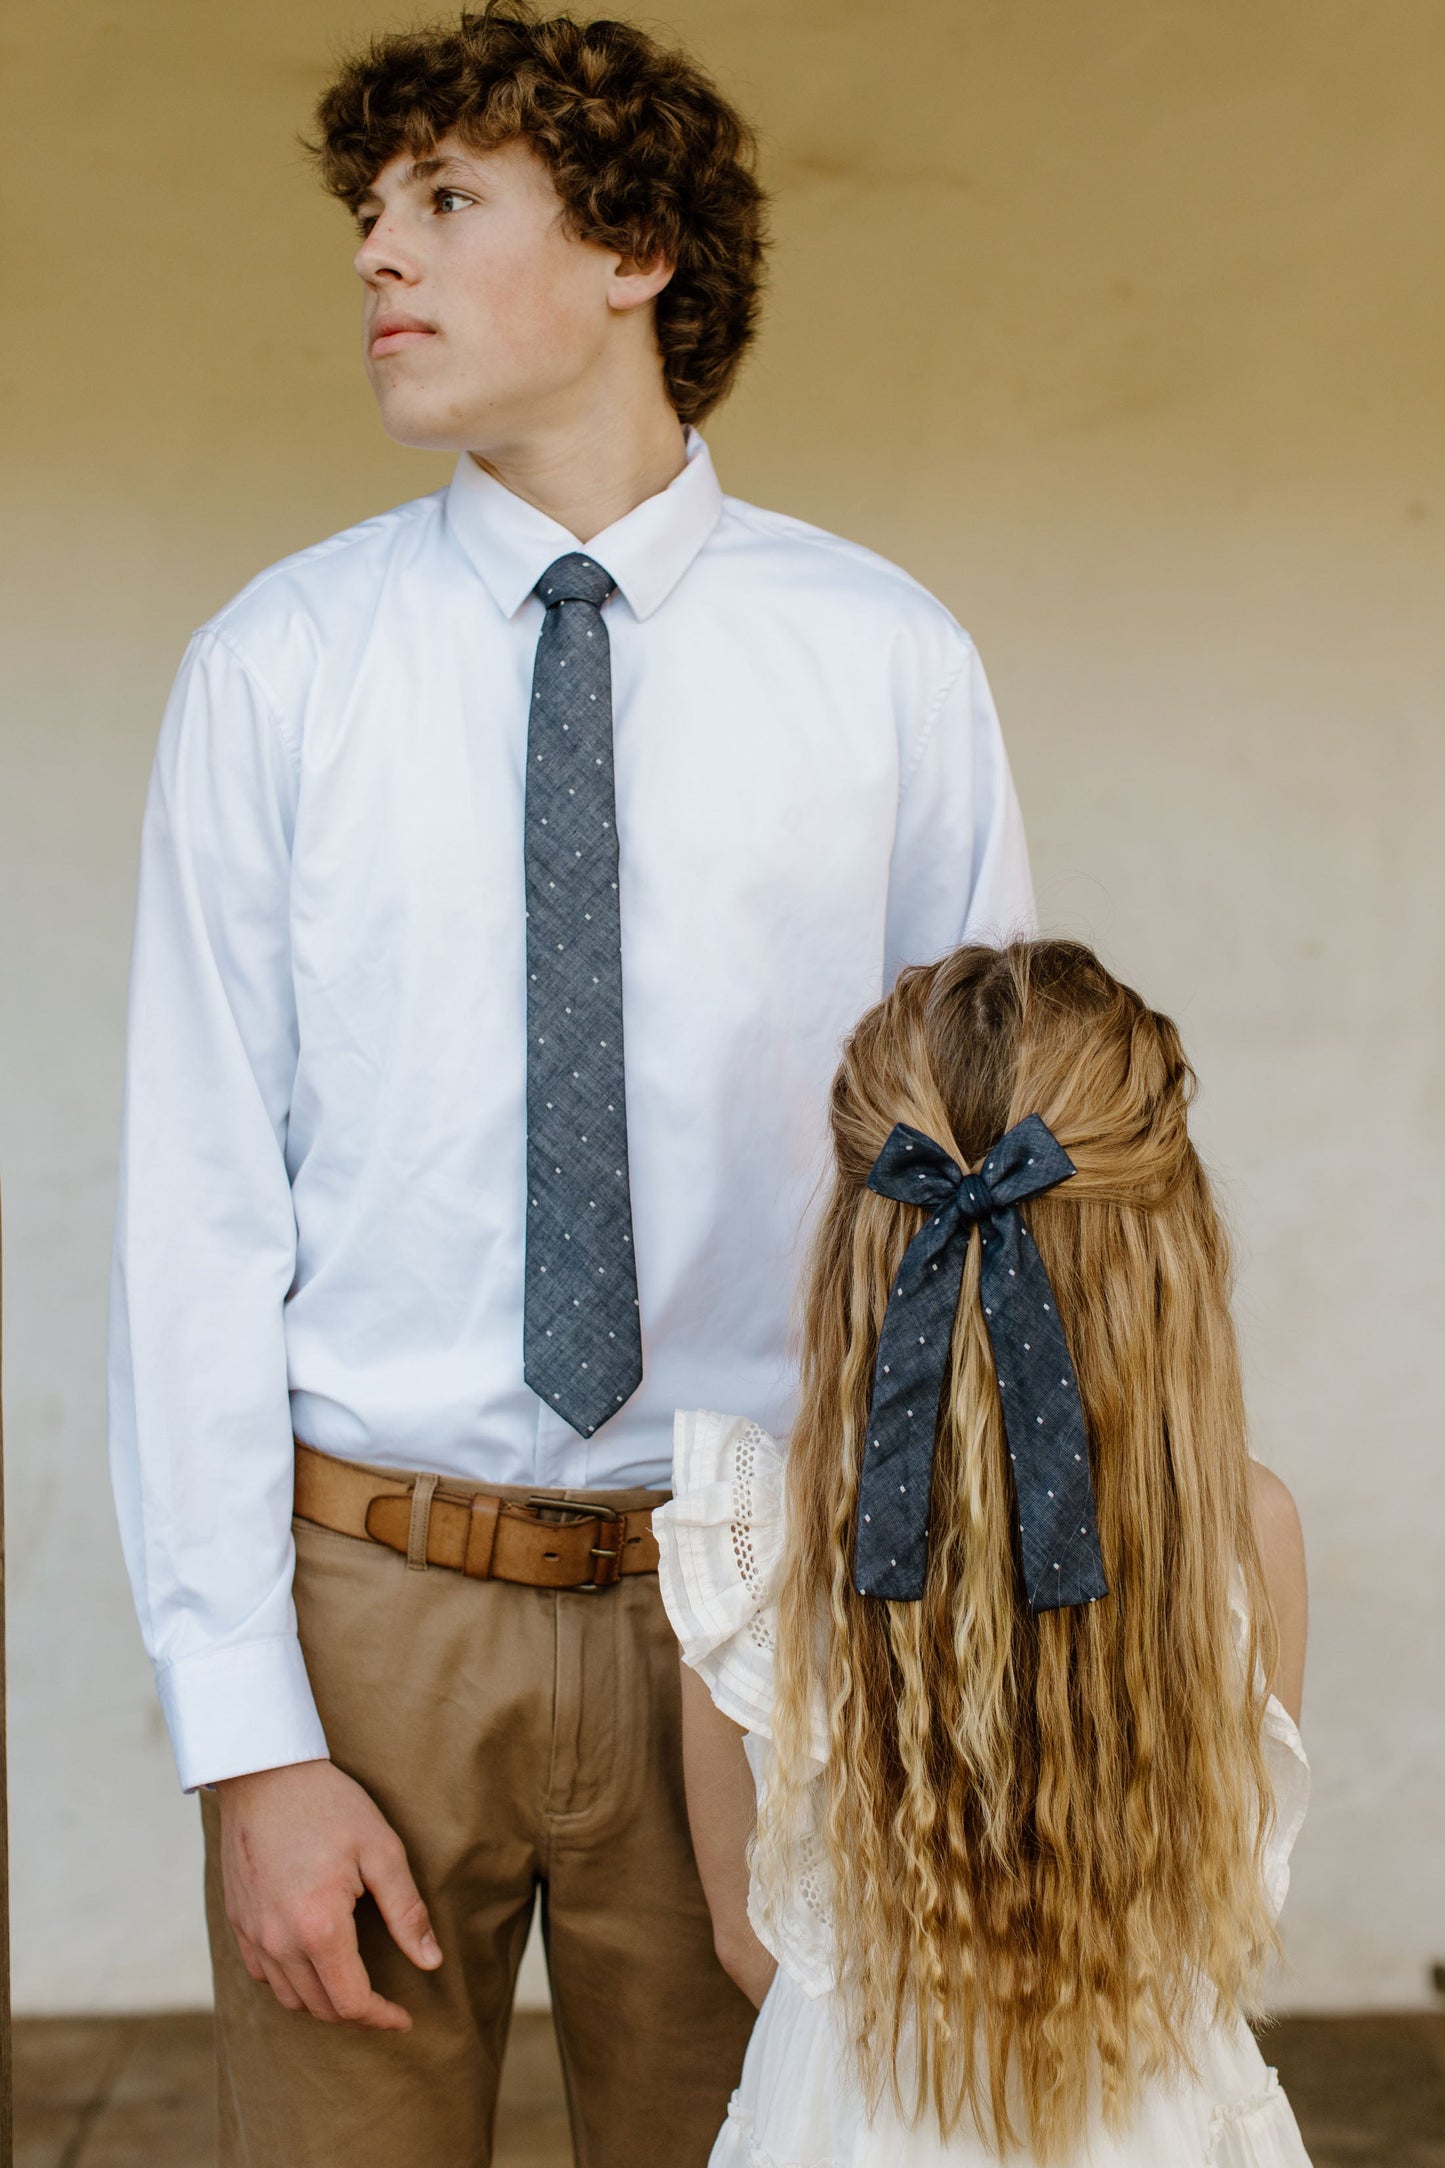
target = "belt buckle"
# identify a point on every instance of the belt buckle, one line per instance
(571, 1514)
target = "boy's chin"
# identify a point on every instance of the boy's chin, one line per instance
(424, 424)
(424, 433)
(483, 420)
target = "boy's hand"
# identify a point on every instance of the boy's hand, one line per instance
(298, 1847)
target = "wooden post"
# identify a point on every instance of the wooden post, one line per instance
(7, 2119)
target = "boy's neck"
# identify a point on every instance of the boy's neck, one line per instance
(588, 471)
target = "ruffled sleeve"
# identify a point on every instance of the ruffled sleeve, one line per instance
(720, 1540)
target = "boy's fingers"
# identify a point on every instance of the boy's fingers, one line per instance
(399, 1901)
(250, 1956)
(307, 1983)
(343, 1977)
(279, 1984)
(356, 2002)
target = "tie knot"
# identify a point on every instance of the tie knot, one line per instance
(575, 578)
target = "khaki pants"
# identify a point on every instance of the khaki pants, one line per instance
(522, 1742)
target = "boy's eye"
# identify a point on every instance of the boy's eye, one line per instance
(443, 199)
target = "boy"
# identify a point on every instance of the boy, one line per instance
(513, 865)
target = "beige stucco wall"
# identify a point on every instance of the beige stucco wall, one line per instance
(1122, 323)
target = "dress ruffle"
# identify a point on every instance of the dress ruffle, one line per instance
(798, 2106)
(1259, 2132)
(720, 1543)
(720, 1540)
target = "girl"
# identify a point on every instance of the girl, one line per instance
(1016, 1638)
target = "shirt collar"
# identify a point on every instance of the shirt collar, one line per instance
(647, 551)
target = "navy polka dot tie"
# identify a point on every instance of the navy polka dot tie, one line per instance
(583, 1338)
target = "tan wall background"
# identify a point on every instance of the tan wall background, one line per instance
(1122, 324)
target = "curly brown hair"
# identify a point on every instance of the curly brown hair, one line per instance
(648, 158)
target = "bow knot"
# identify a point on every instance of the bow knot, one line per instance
(1043, 1418)
(975, 1200)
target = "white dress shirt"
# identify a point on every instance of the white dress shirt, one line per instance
(321, 1213)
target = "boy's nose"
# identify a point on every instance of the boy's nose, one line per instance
(382, 256)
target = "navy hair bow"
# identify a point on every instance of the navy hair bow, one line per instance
(1047, 1444)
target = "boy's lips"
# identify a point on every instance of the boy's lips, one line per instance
(391, 334)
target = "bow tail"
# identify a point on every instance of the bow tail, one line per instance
(895, 1481)
(1043, 1421)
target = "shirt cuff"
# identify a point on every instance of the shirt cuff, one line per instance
(233, 1710)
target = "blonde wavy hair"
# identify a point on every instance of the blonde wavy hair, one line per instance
(1044, 1830)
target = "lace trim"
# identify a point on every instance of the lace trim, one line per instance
(745, 1465)
(812, 1881)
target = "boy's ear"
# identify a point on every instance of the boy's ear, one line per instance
(637, 280)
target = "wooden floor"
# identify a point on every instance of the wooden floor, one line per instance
(1369, 2092)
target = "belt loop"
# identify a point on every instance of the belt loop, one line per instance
(420, 1529)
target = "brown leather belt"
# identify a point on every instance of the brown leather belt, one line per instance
(541, 1542)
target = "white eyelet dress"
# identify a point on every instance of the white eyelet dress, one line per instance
(798, 2103)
